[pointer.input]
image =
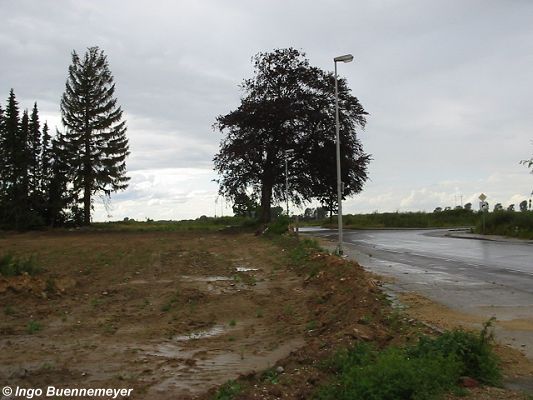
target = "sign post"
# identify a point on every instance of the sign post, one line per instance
(484, 208)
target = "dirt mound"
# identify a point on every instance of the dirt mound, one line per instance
(22, 284)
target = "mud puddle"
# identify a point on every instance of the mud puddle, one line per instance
(195, 370)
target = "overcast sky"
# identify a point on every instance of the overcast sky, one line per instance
(448, 86)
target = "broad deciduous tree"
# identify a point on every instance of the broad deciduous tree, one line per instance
(289, 104)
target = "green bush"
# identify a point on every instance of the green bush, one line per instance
(33, 326)
(423, 371)
(474, 351)
(228, 391)
(11, 266)
(280, 225)
(390, 375)
(508, 223)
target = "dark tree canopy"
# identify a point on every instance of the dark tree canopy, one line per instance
(24, 182)
(94, 142)
(289, 104)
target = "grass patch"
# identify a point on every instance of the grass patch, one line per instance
(9, 310)
(474, 351)
(228, 391)
(33, 327)
(171, 302)
(426, 370)
(270, 376)
(12, 266)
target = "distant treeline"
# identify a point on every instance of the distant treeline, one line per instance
(448, 218)
(499, 222)
(508, 223)
(33, 186)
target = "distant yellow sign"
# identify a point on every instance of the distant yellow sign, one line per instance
(482, 197)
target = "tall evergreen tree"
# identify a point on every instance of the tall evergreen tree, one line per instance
(57, 196)
(34, 143)
(95, 141)
(45, 157)
(3, 170)
(21, 201)
(10, 157)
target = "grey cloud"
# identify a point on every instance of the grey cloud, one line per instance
(448, 84)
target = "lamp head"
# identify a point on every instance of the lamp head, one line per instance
(346, 58)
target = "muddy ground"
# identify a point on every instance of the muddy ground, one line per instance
(174, 315)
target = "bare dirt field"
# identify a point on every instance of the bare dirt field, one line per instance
(174, 315)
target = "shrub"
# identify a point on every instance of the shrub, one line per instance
(11, 266)
(474, 351)
(280, 225)
(390, 374)
(33, 326)
(425, 370)
(228, 391)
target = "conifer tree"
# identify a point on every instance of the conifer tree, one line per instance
(94, 140)
(11, 154)
(3, 170)
(34, 143)
(45, 157)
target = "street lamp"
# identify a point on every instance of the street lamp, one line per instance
(287, 152)
(346, 58)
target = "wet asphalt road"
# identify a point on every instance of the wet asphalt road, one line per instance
(480, 277)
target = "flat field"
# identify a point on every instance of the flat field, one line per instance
(177, 314)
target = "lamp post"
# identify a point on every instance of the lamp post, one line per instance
(346, 59)
(287, 152)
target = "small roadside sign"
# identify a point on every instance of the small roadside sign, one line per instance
(482, 197)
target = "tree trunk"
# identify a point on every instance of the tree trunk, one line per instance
(87, 180)
(266, 198)
(87, 203)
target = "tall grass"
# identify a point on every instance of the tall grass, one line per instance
(12, 266)
(443, 219)
(508, 223)
(422, 371)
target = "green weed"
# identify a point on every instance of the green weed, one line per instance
(422, 371)
(171, 302)
(270, 376)
(9, 310)
(12, 266)
(228, 391)
(474, 351)
(33, 326)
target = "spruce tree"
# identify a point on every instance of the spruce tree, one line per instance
(95, 140)
(10, 156)
(3, 171)
(45, 157)
(34, 143)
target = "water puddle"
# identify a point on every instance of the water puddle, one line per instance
(214, 331)
(146, 282)
(196, 371)
(246, 269)
(188, 278)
